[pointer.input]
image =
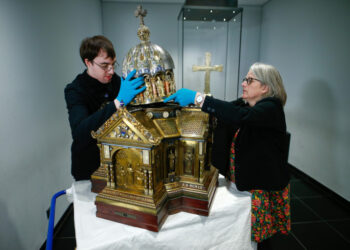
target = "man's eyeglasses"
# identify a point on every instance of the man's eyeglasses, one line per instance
(249, 80)
(107, 67)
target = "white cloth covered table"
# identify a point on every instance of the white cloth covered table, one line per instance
(227, 227)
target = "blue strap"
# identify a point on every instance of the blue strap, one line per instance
(52, 219)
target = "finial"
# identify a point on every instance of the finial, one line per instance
(143, 32)
(141, 13)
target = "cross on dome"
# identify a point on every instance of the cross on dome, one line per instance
(141, 13)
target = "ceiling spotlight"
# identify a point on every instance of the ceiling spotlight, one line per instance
(224, 19)
(184, 18)
(211, 11)
(233, 12)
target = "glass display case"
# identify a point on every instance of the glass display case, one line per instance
(209, 49)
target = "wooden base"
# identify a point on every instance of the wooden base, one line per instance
(184, 204)
(148, 221)
(173, 204)
(132, 217)
(97, 185)
(192, 204)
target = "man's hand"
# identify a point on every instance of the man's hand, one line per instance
(129, 89)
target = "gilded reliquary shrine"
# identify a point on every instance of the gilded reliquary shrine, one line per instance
(154, 162)
(155, 156)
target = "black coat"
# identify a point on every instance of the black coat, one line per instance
(261, 146)
(90, 104)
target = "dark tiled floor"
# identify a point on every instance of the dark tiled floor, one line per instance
(319, 221)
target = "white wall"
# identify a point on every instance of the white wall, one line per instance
(250, 45)
(308, 41)
(39, 43)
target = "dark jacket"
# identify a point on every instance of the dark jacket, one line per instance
(90, 104)
(261, 146)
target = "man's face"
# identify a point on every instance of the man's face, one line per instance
(101, 68)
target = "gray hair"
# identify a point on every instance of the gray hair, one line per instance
(269, 75)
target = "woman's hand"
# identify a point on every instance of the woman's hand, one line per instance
(183, 96)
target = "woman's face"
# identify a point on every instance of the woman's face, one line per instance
(253, 89)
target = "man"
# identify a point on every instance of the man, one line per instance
(92, 98)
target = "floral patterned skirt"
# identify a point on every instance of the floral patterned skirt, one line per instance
(270, 210)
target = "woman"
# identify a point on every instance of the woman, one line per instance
(251, 146)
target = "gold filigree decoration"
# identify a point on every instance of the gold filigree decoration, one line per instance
(195, 123)
(105, 126)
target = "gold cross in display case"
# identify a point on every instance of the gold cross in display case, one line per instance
(207, 68)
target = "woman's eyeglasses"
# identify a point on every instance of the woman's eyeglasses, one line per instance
(249, 80)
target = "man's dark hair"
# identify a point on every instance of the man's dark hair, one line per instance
(91, 46)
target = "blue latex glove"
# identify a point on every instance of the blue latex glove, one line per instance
(129, 89)
(183, 96)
